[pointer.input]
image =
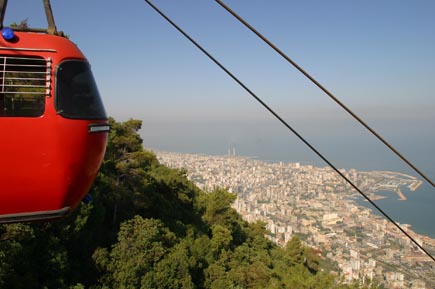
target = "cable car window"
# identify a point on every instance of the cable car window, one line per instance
(77, 95)
(23, 85)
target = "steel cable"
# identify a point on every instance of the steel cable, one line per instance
(306, 74)
(291, 129)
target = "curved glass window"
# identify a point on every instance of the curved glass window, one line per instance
(77, 94)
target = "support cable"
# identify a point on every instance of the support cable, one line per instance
(307, 75)
(50, 19)
(3, 4)
(290, 128)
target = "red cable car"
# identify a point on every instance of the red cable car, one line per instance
(52, 121)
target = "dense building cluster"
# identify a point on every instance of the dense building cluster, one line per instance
(316, 204)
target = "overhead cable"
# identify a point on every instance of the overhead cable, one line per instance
(327, 92)
(290, 128)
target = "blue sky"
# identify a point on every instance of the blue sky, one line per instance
(378, 57)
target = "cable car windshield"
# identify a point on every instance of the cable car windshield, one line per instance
(77, 95)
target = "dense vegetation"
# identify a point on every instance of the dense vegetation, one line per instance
(149, 227)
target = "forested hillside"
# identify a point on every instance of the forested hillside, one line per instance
(149, 227)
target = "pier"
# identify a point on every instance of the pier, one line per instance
(401, 195)
(415, 185)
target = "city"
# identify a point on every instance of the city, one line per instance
(322, 209)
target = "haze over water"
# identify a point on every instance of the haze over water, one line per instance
(269, 143)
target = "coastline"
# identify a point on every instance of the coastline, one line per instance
(313, 201)
(416, 210)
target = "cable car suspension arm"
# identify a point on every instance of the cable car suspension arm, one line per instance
(51, 29)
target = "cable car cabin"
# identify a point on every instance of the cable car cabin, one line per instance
(53, 127)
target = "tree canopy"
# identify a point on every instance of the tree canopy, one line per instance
(149, 227)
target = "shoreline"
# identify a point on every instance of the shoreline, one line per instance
(411, 183)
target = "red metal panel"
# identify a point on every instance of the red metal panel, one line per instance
(46, 163)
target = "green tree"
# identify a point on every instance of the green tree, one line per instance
(141, 244)
(294, 251)
(149, 227)
(218, 208)
(221, 240)
(171, 272)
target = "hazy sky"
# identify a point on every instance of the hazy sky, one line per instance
(378, 57)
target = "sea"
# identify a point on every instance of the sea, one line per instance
(358, 151)
(417, 210)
